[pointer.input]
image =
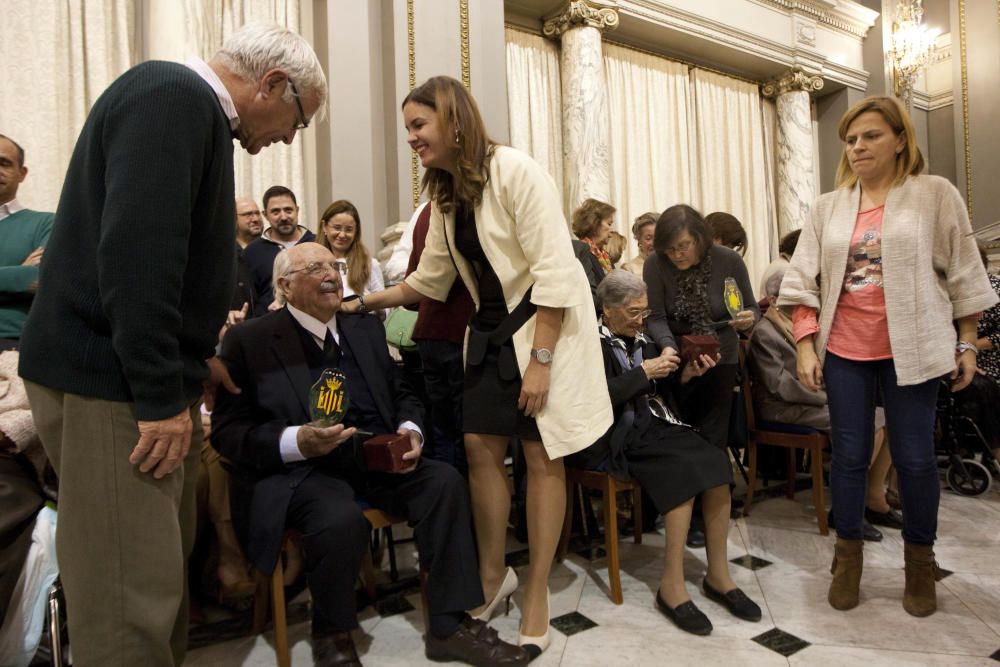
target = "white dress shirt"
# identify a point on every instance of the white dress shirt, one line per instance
(288, 445)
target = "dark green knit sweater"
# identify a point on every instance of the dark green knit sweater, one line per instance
(20, 234)
(140, 266)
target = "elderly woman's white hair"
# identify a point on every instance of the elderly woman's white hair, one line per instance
(282, 265)
(618, 288)
(257, 48)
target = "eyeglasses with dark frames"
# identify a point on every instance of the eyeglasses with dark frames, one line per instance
(303, 123)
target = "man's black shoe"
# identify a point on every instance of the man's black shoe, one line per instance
(335, 650)
(696, 538)
(475, 643)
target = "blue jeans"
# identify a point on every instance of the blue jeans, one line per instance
(852, 387)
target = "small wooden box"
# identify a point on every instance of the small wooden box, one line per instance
(692, 347)
(384, 453)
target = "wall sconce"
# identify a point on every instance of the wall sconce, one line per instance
(912, 47)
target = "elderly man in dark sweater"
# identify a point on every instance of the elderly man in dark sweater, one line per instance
(138, 274)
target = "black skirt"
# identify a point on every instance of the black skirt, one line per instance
(489, 404)
(674, 463)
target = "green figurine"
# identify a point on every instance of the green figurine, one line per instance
(328, 400)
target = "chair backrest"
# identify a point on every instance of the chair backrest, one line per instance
(745, 384)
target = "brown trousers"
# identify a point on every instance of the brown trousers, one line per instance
(123, 537)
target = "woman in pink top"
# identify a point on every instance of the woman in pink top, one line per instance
(884, 273)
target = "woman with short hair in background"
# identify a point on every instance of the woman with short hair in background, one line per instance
(642, 232)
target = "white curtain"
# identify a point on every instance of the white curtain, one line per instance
(208, 25)
(649, 143)
(534, 100)
(731, 171)
(58, 57)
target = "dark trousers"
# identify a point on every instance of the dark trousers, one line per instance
(910, 412)
(435, 502)
(707, 402)
(444, 373)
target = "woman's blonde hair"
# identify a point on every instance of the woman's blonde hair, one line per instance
(909, 161)
(588, 216)
(460, 121)
(615, 246)
(359, 260)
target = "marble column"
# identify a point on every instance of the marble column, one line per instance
(586, 156)
(795, 164)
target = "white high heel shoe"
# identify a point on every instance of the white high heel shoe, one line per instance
(507, 588)
(535, 646)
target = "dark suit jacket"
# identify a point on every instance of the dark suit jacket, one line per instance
(266, 360)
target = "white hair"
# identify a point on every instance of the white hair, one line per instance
(618, 288)
(773, 285)
(282, 265)
(257, 48)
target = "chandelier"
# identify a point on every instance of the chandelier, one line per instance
(912, 47)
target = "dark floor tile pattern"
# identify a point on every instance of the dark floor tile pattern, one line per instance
(751, 562)
(781, 642)
(996, 655)
(238, 625)
(572, 623)
(943, 573)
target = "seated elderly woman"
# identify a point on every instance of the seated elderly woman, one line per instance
(671, 460)
(779, 396)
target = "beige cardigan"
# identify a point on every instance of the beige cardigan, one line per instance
(524, 235)
(931, 271)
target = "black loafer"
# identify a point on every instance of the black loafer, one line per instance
(736, 601)
(685, 616)
(696, 538)
(891, 519)
(869, 532)
(336, 650)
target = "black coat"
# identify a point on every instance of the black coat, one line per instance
(266, 360)
(628, 389)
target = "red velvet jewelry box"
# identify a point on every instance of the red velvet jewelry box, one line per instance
(384, 453)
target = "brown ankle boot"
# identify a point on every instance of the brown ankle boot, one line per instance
(848, 559)
(920, 597)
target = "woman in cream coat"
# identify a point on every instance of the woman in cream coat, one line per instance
(534, 358)
(889, 262)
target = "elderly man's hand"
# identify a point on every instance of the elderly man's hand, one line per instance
(316, 441)
(416, 447)
(163, 444)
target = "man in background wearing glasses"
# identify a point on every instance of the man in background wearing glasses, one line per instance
(137, 279)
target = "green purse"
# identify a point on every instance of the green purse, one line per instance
(399, 329)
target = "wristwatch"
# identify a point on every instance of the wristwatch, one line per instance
(964, 346)
(542, 355)
(362, 307)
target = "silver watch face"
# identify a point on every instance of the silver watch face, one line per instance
(543, 355)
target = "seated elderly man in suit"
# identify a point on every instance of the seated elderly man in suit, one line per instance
(779, 396)
(289, 473)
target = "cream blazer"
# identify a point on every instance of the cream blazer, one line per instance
(931, 271)
(525, 237)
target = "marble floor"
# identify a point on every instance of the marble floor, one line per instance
(787, 575)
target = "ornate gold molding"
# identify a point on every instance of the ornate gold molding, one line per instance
(963, 55)
(463, 34)
(600, 14)
(794, 79)
(411, 54)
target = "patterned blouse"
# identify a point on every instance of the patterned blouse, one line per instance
(989, 327)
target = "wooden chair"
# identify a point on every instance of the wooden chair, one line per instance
(791, 437)
(273, 588)
(609, 488)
